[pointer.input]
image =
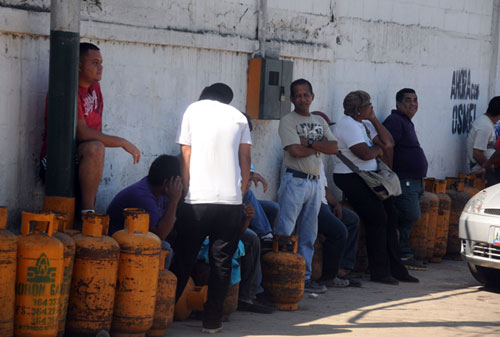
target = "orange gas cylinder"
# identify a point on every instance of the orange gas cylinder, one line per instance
(40, 269)
(231, 301)
(92, 292)
(137, 275)
(433, 216)
(317, 261)
(8, 253)
(455, 190)
(69, 255)
(165, 299)
(192, 298)
(283, 274)
(479, 183)
(62, 205)
(469, 187)
(443, 221)
(418, 234)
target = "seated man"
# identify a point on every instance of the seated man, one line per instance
(158, 194)
(90, 138)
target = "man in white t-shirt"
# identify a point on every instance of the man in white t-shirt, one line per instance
(215, 147)
(481, 142)
(305, 137)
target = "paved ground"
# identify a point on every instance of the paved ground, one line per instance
(446, 302)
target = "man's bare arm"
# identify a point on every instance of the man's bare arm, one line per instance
(185, 164)
(245, 159)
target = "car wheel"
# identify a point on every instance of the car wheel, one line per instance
(487, 276)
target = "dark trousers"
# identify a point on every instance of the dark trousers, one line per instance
(222, 223)
(250, 266)
(380, 221)
(335, 233)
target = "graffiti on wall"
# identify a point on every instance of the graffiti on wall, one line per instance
(465, 94)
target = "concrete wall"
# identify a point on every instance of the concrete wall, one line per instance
(159, 54)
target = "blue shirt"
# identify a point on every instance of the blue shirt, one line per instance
(138, 195)
(409, 159)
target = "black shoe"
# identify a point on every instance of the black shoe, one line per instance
(386, 280)
(254, 307)
(408, 278)
(412, 264)
(352, 281)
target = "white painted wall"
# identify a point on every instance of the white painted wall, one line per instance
(159, 54)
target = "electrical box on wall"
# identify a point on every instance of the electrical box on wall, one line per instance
(268, 88)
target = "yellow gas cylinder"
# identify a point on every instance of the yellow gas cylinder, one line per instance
(192, 298)
(165, 299)
(317, 260)
(418, 234)
(455, 190)
(69, 255)
(443, 221)
(479, 183)
(137, 276)
(40, 269)
(433, 216)
(8, 253)
(283, 274)
(92, 292)
(469, 187)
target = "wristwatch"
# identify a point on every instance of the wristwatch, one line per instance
(310, 142)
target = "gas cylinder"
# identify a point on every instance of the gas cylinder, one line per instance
(62, 205)
(192, 298)
(469, 187)
(8, 252)
(165, 299)
(433, 216)
(137, 275)
(40, 269)
(443, 221)
(479, 183)
(92, 292)
(455, 190)
(69, 255)
(231, 301)
(283, 274)
(418, 234)
(317, 260)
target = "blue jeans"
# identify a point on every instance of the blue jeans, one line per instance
(408, 207)
(272, 209)
(299, 201)
(259, 223)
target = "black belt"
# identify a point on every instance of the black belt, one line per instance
(298, 174)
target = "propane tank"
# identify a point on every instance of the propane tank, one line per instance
(165, 299)
(231, 301)
(433, 216)
(283, 274)
(469, 187)
(455, 190)
(69, 255)
(443, 221)
(40, 269)
(192, 298)
(8, 252)
(479, 183)
(61, 205)
(92, 292)
(418, 234)
(317, 260)
(137, 275)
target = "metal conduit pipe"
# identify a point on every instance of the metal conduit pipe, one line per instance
(262, 26)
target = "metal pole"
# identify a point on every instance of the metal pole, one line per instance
(63, 91)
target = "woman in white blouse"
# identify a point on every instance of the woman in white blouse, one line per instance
(362, 138)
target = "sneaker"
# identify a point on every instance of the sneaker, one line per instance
(211, 331)
(412, 264)
(336, 282)
(314, 287)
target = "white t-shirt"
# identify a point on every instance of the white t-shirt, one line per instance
(350, 132)
(481, 137)
(214, 131)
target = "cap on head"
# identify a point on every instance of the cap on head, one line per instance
(325, 117)
(220, 92)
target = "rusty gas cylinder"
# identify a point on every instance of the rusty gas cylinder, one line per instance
(469, 187)
(8, 262)
(40, 269)
(165, 299)
(433, 216)
(317, 260)
(418, 234)
(192, 298)
(137, 275)
(231, 301)
(92, 292)
(479, 183)
(455, 190)
(443, 221)
(69, 255)
(283, 274)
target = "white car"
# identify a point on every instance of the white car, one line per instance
(479, 231)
